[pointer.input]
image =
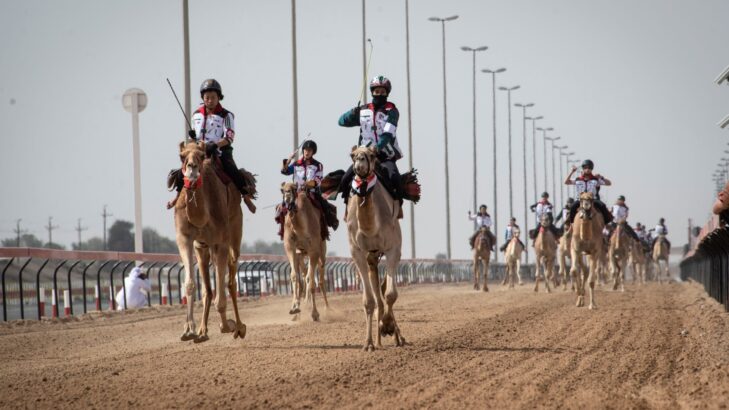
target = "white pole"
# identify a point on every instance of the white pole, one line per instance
(137, 176)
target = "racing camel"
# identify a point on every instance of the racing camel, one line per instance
(481, 257)
(586, 240)
(303, 238)
(660, 253)
(208, 219)
(374, 231)
(545, 248)
(512, 258)
(618, 254)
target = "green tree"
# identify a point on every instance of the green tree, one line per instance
(153, 242)
(26, 241)
(121, 238)
(93, 244)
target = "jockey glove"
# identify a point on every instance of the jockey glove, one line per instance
(211, 148)
(192, 134)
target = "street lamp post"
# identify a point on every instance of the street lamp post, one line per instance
(534, 150)
(294, 72)
(410, 125)
(561, 190)
(551, 139)
(567, 156)
(134, 101)
(544, 145)
(496, 215)
(475, 188)
(445, 133)
(511, 182)
(526, 219)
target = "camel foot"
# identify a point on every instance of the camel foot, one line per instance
(548, 290)
(369, 347)
(399, 340)
(580, 302)
(485, 288)
(388, 326)
(201, 338)
(294, 311)
(315, 316)
(475, 286)
(240, 331)
(521, 283)
(592, 306)
(188, 335)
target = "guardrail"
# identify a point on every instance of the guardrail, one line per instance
(29, 274)
(709, 265)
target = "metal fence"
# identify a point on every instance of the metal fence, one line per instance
(88, 281)
(709, 265)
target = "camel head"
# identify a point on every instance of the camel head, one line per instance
(586, 201)
(515, 232)
(192, 155)
(545, 220)
(289, 192)
(364, 161)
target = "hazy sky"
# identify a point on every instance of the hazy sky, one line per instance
(628, 84)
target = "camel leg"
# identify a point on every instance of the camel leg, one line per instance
(388, 324)
(576, 278)
(322, 280)
(550, 274)
(593, 261)
(220, 260)
(372, 259)
(203, 257)
(185, 246)
(240, 328)
(368, 298)
(485, 265)
(310, 288)
(518, 270)
(537, 268)
(295, 286)
(476, 273)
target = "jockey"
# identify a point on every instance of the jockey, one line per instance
(620, 214)
(508, 234)
(308, 173)
(588, 182)
(483, 219)
(214, 126)
(564, 215)
(660, 229)
(543, 207)
(640, 231)
(378, 127)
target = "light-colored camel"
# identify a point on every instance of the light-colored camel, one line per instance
(209, 219)
(660, 253)
(302, 238)
(374, 231)
(545, 249)
(586, 240)
(619, 252)
(512, 258)
(481, 258)
(638, 262)
(565, 252)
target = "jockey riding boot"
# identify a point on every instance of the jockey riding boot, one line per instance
(174, 181)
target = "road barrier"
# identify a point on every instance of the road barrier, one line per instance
(257, 275)
(709, 265)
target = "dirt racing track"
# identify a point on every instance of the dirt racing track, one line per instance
(656, 346)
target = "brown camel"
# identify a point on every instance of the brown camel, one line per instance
(618, 254)
(512, 258)
(374, 231)
(209, 219)
(660, 253)
(482, 254)
(302, 238)
(638, 262)
(586, 240)
(545, 248)
(565, 251)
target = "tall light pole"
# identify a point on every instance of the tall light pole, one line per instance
(496, 215)
(134, 101)
(534, 150)
(526, 219)
(445, 133)
(544, 145)
(561, 190)
(410, 125)
(551, 139)
(364, 49)
(475, 188)
(567, 156)
(294, 73)
(554, 167)
(511, 182)
(186, 60)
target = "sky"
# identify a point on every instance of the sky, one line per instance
(628, 84)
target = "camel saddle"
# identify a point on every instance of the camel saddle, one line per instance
(410, 185)
(282, 210)
(175, 179)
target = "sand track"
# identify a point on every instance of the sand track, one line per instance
(504, 349)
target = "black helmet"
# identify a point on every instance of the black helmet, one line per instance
(661, 220)
(588, 164)
(545, 195)
(211, 85)
(621, 198)
(309, 144)
(483, 206)
(381, 81)
(570, 201)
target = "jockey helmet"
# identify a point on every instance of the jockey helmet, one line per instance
(482, 206)
(621, 198)
(211, 85)
(588, 164)
(309, 144)
(660, 221)
(381, 81)
(545, 195)
(570, 201)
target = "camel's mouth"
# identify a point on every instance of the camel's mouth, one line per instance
(362, 165)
